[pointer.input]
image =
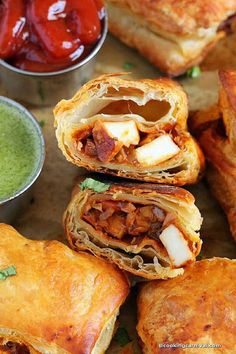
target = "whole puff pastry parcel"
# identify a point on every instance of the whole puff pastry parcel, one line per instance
(215, 128)
(52, 299)
(173, 35)
(197, 308)
(134, 129)
(148, 230)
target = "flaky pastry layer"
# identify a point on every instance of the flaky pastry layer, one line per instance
(117, 126)
(130, 225)
(215, 129)
(172, 35)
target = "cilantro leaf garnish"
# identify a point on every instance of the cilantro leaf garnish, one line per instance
(128, 66)
(201, 256)
(7, 272)
(194, 72)
(42, 123)
(97, 186)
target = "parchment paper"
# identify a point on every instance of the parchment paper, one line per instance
(42, 219)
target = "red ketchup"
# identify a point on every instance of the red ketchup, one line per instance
(48, 35)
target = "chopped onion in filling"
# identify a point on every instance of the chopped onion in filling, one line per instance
(131, 222)
(176, 246)
(157, 151)
(125, 219)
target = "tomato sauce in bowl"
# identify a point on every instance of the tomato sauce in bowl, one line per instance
(49, 35)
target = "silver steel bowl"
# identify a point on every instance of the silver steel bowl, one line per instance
(11, 207)
(46, 89)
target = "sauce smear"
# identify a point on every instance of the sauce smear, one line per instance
(19, 151)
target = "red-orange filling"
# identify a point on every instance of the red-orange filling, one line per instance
(119, 219)
(14, 348)
(94, 142)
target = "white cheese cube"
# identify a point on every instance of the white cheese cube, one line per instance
(157, 151)
(125, 132)
(176, 246)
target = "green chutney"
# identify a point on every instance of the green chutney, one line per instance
(20, 150)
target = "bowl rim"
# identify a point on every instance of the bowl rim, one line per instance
(38, 169)
(91, 55)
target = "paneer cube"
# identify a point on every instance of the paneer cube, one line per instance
(106, 146)
(157, 151)
(176, 246)
(126, 132)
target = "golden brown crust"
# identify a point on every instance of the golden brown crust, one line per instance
(183, 16)
(130, 257)
(216, 131)
(55, 303)
(170, 109)
(163, 53)
(223, 188)
(163, 87)
(198, 307)
(222, 173)
(228, 82)
(174, 36)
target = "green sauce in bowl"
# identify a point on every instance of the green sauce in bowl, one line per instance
(21, 149)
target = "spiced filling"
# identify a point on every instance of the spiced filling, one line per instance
(134, 224)
(125, 220)
(14, 348)
(127, 142)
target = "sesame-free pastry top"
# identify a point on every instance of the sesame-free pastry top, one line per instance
(52, 299)
(134, 129)
(215, 128)
(196, 310)
(149, 230)
(173, 35)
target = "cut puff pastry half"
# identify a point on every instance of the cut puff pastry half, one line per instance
(197, 308)
(52, 299)
(134, 129)
(148, 230)
(173, 35)
(216, 130)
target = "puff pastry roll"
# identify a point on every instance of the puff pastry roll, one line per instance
(148, 230)
(52, 299)
(134, 129)
(216, 131)
(173, 35)
(197, 308)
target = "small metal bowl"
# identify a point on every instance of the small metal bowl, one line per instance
(11, 207)
(46, 89)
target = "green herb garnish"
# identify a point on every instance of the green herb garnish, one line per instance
(201, 257)
(128, 66)
(194, 72)
(90, 183)
(42, 123)
(122, 336)
(8, 272)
